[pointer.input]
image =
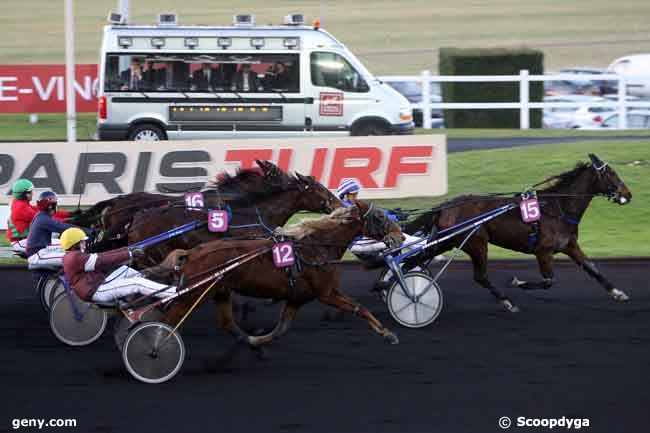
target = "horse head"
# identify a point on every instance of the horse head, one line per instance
(608, 182)
(378, 226)
(314, 196)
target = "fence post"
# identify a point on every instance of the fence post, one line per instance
(524, 99)
(426, 99)
(622, 102)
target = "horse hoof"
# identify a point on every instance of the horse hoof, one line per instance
(516, 282)
(619, 295)
(391, 338)
(509, 306)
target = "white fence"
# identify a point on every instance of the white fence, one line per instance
(524, 105)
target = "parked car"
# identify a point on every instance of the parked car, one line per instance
(636, 119)
(572, 117)
(567, 87)
(600, 87)
(412, 90)
(636, 70)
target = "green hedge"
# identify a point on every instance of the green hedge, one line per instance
(489, 61)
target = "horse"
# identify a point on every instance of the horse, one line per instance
(319, 245)
(112, 217)
(271, 201)
(563, 202)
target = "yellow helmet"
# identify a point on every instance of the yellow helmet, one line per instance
(72, 237)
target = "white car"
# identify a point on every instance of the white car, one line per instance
(636, 119)
(573, 117)
(636, 69)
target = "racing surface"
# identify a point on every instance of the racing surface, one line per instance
(570, 352)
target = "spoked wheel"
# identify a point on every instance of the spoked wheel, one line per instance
(387, 276)
(73, 330)
(50, 287)
(418, 303)
(152, 353)
(122, 326)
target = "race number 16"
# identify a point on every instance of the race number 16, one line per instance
(530, 210)
(218, 221)
(194, 200)
(283, 255)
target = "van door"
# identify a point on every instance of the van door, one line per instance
(339, 92)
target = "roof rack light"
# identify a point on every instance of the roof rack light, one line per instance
(294, 20)
(167, 19)
(291, 43)
(157, 42)
(125, 41)
(243, 20)
(192, 42)
(116, 18)
(257, 43)
(224, 42)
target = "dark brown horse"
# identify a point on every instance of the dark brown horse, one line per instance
(266, 201)
(563, 202)
(319, 246)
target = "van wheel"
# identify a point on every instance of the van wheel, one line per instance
(146, 132)
(371, 128)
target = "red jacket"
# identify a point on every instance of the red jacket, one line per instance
(21, 216)
(86, 272)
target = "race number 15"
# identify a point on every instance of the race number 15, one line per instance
(530, 210)
(218, 221)
(283, 255)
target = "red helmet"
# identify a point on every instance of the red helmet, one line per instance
(47, 200)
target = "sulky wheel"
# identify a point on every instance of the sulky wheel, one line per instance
(418, 303)
(122, 326)
(78, 329)
(152, 353)
(386, 276)
(50, 289)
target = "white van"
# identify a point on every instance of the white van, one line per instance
(636, 69)
(169, 81)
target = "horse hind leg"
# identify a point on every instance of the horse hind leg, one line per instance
(288, 313)
(545, 262)
(477, 251)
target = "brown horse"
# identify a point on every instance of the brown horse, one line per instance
(319, 246)
(270, 199)
(563, 203)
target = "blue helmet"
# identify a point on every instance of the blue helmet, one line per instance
(47, 200)
(348, 186)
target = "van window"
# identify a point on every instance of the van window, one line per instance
(332, 70)
(168, 72)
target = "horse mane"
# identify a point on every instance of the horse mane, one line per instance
(305, 228)
(560, 181)
(247, 185)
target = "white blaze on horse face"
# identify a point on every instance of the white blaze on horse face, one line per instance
(622, 200)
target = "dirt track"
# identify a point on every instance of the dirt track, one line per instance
(570, 352)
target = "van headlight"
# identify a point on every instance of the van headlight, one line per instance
(406, 114)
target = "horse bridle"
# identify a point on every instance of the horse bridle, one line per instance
(325, 204)
(613, 187)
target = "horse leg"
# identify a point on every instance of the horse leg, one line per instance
(545, 263)
(343, 303)
(574, 251)
(225, 318)
(477, 251)
(288, 313)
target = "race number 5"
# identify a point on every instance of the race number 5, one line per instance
(194, 200)
(283, 255)
(218, 221)
(530, 212)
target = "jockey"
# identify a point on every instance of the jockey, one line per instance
(103, 277)
(41, 251)
(348, 191)
(22, 214)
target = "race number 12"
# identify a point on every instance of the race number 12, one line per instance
(530, 212)
(283, 255)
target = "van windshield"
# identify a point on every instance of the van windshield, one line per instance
(333, 70)
(168, 72)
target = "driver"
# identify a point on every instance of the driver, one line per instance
(41, 251)
(348, 191)
(103, 277)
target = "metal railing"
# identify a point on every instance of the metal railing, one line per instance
(524, 105)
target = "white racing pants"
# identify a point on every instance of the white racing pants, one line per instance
(126, 281)
(50, 257)
(367, 245)
(19, 246)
